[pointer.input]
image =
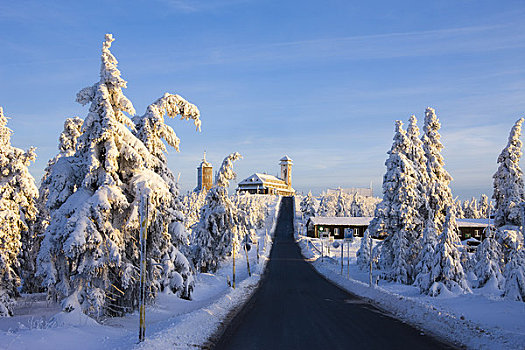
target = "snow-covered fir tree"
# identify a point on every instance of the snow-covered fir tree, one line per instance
(458, 207)
(363, 254)
(489, 263)
(56, 175)
(362, 206)
(342, 207)
(515, 274)
(439, 195)
(485, 207)
(216, 233)
(254, 207)
(90, 253)
(470, 209)
(416, 154)
(447, 272)
(425, 260)
(508, 181)
(328, 205)
(398, 213)
(191, 205)
(307, 206)
(168, 266)
(18, 194)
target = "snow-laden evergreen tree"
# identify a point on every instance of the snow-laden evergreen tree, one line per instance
(419, 160)
(439, 195)
(255, 208)
(458, 207)
(425, 264)
(308, 207)
(216, 233)
(18, 194)
(55, 180)
(508, 181)
(342, 207)
(515, 274)
(168, 237)
(192, 204)
(362, 206)
(363, 254)
(485, 207)
(470, 209)
(489, 263)
(89, 257)
(152, 130)
(328, 205)
(398, 213)
(447, 272)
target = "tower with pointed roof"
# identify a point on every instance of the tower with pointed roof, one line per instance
(286, 170)
(204, 175)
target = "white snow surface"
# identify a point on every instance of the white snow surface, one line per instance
(171, 323)
(480, 320)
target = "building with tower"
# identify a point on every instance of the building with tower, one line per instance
(204, 175)
(261, 183)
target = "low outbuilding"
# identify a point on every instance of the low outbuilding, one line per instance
(337, 226)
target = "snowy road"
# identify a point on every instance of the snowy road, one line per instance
(296, 308)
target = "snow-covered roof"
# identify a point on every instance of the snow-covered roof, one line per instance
(481, 223)
(341, 221)
(365, 221)
(261, 179)
(285, 159)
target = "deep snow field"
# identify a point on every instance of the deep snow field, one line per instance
(481, 320)
(171, 323)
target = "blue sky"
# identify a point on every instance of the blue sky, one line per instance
(322, 82)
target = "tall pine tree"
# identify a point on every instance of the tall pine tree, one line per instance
(508, 181)
(18, 194)
(216, 234)
(439, 196)
(90, 252)
(398, 212)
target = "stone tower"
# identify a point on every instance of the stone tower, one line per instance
(204, 175)
(286, 170)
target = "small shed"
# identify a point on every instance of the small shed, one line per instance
(473, 228)
(336, 226)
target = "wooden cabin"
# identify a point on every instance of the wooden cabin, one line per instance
(336, 226)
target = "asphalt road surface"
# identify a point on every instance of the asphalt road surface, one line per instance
(296, 308)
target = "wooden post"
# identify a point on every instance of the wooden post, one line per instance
(233, 279)
(342, 255)
(322, 249)
(348, 259)
(247, 259)
(370, 273)
(257, 249)
(142, 295)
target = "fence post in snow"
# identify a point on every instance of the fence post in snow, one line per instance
(371, 258)
(247, 259)
(348, 259)
(257, 249)
(233, 277)
(143, 239)
(342, 256)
